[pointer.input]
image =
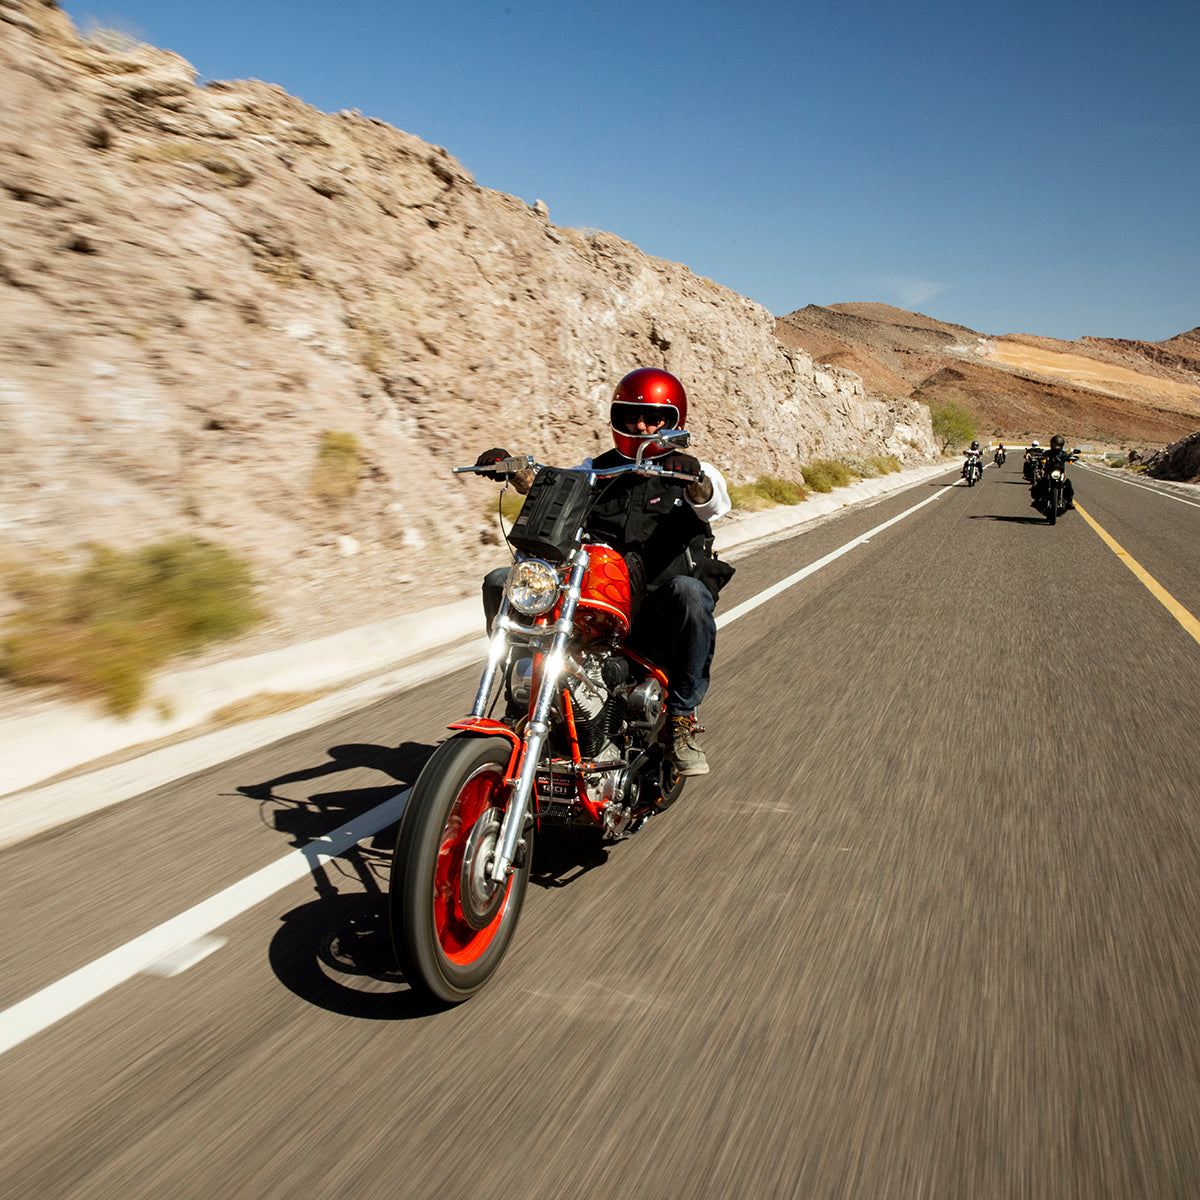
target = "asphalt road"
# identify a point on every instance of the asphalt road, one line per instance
(928, 929)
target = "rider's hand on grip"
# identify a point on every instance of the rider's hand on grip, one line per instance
(494, 455)
(685, 464)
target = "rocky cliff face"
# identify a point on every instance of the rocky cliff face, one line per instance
(1180, 460)
(197, 282)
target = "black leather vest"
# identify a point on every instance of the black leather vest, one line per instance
(652, 518)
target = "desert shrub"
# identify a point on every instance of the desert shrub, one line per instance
(952, 425)
(824, 474)
(885, 464)
(864, 468)
(745, 498)
(508, 506)
(779, 491)
(765, 492)
(338, 468)
(1117, 462)
(816, 478)
(103, 629)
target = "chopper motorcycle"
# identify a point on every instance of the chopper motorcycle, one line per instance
(575, 741)
(972, 470)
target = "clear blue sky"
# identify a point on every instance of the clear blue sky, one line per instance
(1017, 168)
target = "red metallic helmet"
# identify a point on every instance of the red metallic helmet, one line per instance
(655, 396)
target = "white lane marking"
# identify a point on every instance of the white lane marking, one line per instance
(782, 586)
(72, 992)
(176, 961)
(169, 941)
(1119, 477)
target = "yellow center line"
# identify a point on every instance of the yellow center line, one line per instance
(1155, 588)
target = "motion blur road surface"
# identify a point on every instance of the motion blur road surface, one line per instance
(928, 929)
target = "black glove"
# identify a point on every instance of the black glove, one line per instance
(684, 463)
(494, 455)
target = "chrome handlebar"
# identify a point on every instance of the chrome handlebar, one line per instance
(524, 462)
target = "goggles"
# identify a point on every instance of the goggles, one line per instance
(650, 414)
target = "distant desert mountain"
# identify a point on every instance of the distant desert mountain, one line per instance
(1017, 385)
(887, 314)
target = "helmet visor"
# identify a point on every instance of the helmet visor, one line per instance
(625, 415)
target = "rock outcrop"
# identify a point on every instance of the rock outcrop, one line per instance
(196, 282)
(1179, 461)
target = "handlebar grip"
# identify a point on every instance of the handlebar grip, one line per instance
(675, 476)
(502, 466)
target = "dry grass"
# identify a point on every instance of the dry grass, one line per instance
(824, 474)
(102, 630)
(508, 506)
(766, 492)
(338, 469)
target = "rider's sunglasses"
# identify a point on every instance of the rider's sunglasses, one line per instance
(628, 414)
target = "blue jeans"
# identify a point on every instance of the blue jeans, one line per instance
(675, 629)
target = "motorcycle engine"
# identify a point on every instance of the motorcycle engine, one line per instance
(603, 699)
(593, 703)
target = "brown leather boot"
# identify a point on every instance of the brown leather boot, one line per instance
(683, 752)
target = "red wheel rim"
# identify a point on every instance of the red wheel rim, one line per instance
(460, 943)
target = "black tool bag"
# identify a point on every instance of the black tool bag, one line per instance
(714, 572)
(552, 515)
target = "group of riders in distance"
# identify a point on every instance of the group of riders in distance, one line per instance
(1044, 468)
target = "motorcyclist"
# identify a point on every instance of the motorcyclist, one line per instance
(662, 529)
(974, 458)
(999, 456)
(1033, 455)
(1056, 456)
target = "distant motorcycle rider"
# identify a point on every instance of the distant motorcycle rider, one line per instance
(662, 528)
(974, 461)
(998, 457)
(1033, 457)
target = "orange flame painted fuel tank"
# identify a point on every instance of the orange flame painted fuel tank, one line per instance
(604, 601)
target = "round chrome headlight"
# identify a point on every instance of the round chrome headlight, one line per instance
(1055, 474)
(531, 586)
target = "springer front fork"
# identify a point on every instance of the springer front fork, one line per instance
(537, 728)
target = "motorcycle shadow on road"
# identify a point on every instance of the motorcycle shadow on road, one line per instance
(317, 813)
(335, 951)
(1011, 520)
(561, 856)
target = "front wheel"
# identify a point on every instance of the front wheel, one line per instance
(450, 923)
(1052, 507)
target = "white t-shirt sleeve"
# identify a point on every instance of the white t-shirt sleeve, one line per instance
(719, 503)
